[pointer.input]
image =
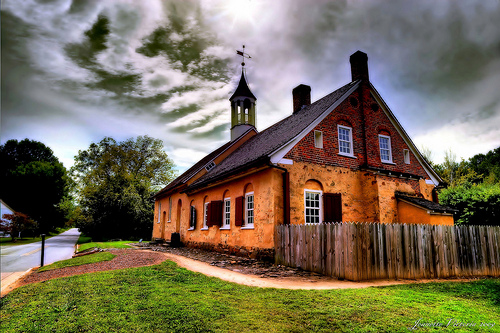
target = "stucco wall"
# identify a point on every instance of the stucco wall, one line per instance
(267, 188)
(366, 197)
(415, 215)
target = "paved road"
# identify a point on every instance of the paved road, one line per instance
(17, 259)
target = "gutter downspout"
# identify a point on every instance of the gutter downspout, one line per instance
(286, 192)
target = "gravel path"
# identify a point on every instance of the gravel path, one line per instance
(125, 258)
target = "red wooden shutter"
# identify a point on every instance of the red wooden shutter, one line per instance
(332, 207)
(238, 219)
(209, 215)
(216, 216)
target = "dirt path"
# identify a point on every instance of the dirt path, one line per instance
(252, 280)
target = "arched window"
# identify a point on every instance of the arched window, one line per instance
(313, 202)
(249, 207)
(226, 218)
(192, 216)
(205, 213)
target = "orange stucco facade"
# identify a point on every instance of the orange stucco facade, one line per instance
(412, 214)
(366, 197)
(266, 187)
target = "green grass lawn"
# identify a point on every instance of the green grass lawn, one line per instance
(166, 298)
(88, 259)
(106, 245)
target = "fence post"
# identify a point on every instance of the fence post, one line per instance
(43, 250)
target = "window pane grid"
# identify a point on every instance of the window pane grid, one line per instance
(312, 207)
(227, 212)
(385, 148)
(249, 210)
(344, 140)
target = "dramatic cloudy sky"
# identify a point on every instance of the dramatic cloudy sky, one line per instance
(75, 71)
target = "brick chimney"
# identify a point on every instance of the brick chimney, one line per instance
(359, 66)
(301, 97)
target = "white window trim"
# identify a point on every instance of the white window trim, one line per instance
(351, 154)
(205, 212)
(318, 139)
(320, 205)
(246, 224)
(224, 226)
(159, 212)
(389, 161)
(191, 228)
(169, 209)
(406, 156)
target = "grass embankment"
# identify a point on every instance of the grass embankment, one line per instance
(85, 242)
(88, 259)
(105, 245)
(27, 240)
(166, 298)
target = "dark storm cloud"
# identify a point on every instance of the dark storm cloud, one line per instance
(166, 68)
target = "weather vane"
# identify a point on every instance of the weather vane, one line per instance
(243, 56)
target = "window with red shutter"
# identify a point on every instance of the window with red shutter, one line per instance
(332, 207)
(209, 215)
(216, 213)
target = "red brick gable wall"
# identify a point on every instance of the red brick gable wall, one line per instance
(366, 119)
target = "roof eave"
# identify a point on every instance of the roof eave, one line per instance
(260, 161)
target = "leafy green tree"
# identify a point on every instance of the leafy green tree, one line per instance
(116, 181)
(477, 204)
(17, 223)
(33, 181)
(487, 165)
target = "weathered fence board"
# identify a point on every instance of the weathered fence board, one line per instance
(364, 251)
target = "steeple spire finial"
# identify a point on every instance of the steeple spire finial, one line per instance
(243, 56)
(242, 103)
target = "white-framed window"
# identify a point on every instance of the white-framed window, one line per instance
(384, 142)
(318, 139)
(169, 209)
(192, 217)
(159, 212)
(249, 210)
(205, 216)
(226, 218)
(406, 156)
(312, 206)
(345, 140)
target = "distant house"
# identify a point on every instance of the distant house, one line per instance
(4, 209)
(344, 157)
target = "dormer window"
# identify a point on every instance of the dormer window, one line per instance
(210, 166)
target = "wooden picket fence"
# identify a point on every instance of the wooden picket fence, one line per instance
(365, 251)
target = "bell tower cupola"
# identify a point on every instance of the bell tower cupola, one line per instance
(242, 106)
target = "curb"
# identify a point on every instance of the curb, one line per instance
(8, 282)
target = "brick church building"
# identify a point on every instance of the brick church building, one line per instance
(344, 157)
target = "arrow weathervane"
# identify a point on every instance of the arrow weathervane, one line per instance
(243, 55)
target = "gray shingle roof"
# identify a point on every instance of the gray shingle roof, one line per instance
(183, 178)
(258, 148)
(430, 205)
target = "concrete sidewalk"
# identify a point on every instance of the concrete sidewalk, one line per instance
(9, 278)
